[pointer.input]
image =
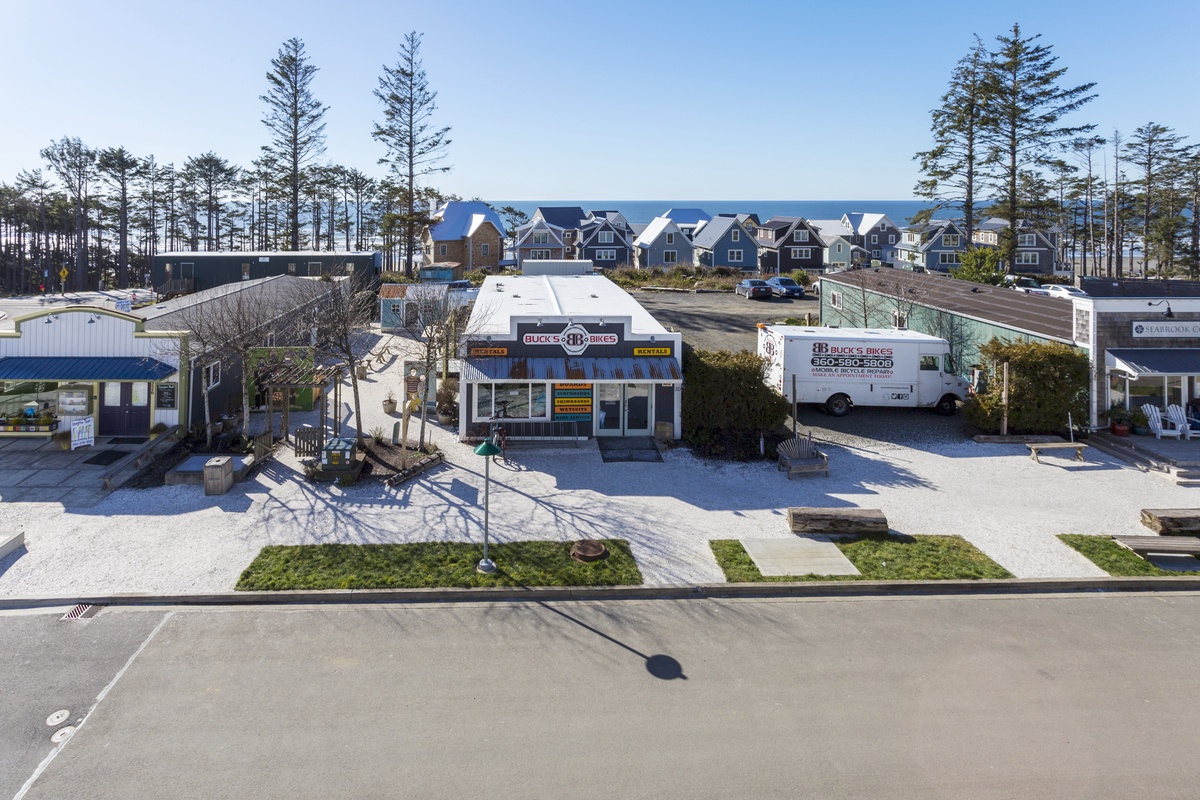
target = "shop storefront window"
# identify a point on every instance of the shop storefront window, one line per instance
(510, 400)
(14, 395)
(1146, 390)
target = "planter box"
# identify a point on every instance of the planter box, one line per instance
(30, 427)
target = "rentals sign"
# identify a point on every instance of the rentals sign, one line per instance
(574, 339)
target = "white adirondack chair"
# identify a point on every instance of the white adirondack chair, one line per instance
(1154, 417)
(1179, 419)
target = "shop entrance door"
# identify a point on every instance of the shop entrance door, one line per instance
(124, 409)
(624, 409)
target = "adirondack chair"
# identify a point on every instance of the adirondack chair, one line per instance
(1179, 419)
(800, 456)
(1154, 417)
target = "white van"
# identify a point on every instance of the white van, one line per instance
(839, 368)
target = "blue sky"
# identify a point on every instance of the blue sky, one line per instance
(551, 100)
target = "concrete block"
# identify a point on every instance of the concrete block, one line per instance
(11, 542)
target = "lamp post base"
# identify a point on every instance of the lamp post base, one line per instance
(486, 566)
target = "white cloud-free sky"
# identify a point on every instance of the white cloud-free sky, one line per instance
(775, 100)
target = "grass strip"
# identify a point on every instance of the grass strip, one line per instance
(879, 558)
(1117, 561)
(433, 564)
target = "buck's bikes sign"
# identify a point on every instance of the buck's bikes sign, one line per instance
(574, 339)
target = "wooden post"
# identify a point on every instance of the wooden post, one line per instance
(793, 405)
(1004, 403)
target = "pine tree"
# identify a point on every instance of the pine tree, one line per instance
(1156, 151)
(121, 168)
(75, 165)
(294, 117)
(952, 168)
(1025, 105)
(414, 148)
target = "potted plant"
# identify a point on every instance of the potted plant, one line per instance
(389, 403)
(447, 401)
(1118, 421)
(1138, 422)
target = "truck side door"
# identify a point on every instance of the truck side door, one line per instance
(929, 379)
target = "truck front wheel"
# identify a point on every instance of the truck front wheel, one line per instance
(838, 405)
(947, 405)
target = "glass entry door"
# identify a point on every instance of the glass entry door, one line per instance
(624, 409)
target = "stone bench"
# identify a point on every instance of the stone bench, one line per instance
(1172, 521)
(1078, 447)
(11, 543)
(858, 521)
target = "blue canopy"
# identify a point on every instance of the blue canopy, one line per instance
(80, 368)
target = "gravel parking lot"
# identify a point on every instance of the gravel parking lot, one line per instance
(721, 320)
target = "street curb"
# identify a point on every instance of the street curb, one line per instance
(765, 590)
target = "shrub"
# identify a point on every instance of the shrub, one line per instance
(1046, 382)
(447, 396)
(726, 404)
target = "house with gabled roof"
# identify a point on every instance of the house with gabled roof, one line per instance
(603, 243)
(1037, 247)
(569, 218)
(469, 232)
(662, 244)
(873, 232)
(935, 246)
(789, 243)
(838, 248)
(540, 240)
(725, 242)
(616, 218)
(688, 219)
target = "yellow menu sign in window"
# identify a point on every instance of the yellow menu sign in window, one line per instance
(652, 351)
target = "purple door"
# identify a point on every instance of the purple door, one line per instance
(124, 409)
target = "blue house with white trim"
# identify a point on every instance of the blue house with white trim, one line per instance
(725, 242)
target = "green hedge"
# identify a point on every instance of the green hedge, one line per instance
(1045, 383)
(726, 404)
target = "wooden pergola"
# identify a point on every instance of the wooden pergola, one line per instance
(284, 377)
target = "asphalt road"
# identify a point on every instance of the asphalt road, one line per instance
(722, 321)
(1089, 696)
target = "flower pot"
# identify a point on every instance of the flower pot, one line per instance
(445, 419)
(1141, 430)
(389, 406)
(1119, 428)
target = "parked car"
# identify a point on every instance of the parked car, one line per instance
(783, 286)
(753, 287)
(1065, 291)
(1026, 285)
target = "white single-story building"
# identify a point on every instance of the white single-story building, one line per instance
(567, 357)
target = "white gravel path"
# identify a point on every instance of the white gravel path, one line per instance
(176, 540)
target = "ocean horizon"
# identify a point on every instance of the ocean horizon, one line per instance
(641, 212)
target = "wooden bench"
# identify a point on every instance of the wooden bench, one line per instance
(1167, 545)
(800, 457)
(1078, 447)
(804, 519)
(1172, 521)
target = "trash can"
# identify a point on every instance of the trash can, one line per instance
(218, 475)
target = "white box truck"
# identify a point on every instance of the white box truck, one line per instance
(839, 368)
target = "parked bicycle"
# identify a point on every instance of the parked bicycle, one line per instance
(498, 435)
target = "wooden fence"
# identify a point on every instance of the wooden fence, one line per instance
(309, 442)
(264, 447)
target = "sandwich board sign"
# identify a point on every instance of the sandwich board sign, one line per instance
(83, 432)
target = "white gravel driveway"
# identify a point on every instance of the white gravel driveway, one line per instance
(176, 540)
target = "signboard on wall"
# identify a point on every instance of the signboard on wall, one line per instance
(1166, 329)
(574, 339)
(572, 402)
(489, 351)
(83, 432)
(652, 351)
(166, 395)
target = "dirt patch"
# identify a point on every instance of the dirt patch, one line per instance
(382, 459)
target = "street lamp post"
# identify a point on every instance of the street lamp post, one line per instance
(487, 450)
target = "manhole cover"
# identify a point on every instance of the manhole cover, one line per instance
(58, 717)
(62, 734)
(588, 550)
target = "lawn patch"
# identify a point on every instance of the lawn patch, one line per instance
(879, 558)
(433, 564)
(1117, 561)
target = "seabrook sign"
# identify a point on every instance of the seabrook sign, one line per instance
(1159, 329)
(574, 339)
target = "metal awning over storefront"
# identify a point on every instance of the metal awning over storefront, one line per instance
(572, 370)
(72, 368)
(1138, 362)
